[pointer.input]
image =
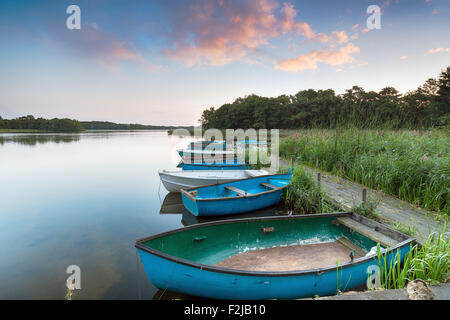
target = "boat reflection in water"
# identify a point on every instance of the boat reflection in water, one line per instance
(188, 219)
(172, 204)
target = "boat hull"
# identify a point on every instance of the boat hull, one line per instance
(190, 153)
(175, 181)
(216, 285)
(230, 207)
(231, 204)
(205, 166)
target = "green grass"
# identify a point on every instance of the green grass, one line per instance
(367, 209)
(257, 158)
(429, 262)
(303, 195)
(410, 230)
(411, 165)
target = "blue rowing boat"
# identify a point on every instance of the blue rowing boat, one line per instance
(230, 165)
(238, 196)
(284, 257)
(202, 145)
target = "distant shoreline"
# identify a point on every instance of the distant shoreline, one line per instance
(30, 124)
(24, 131)
(91, 130)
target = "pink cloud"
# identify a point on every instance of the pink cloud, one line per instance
(310, 60)
(289, 24)
(340, 36)
(220, 32)
(207, 39)
(437, 50)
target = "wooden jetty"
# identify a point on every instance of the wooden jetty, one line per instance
(392, 211)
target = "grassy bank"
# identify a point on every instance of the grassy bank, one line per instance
(430, 263)
(411, 165)
(303, 195)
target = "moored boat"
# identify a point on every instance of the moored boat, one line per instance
(201, 145)
(270, 258)
(237, 196)
(174, 181)
(222, 165)
(205, 152)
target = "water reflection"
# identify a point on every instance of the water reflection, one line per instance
(170, 295)
(189, 219)
(34, 139)
(172, 204)
(81, 200)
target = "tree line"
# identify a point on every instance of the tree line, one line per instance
(40, 124)
(67, 125)
(427, 106)
(105, 125)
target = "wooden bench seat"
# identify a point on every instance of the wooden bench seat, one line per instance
(268, 185)
(367, 232)
(238, 191)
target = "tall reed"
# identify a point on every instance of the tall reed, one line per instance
(303, 195)
(429, 262)
(411, 165)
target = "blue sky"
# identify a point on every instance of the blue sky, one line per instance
(164, 62)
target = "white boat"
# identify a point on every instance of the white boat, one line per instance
(174, 181)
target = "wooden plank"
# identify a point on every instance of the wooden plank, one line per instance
(379, 227)
(347, 243)
(268, 185)
(189, 195)
(238, 191)
(367, 232)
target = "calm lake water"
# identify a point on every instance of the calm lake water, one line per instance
(83, 199)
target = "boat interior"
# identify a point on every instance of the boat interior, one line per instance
(277, 244)
(241, 188)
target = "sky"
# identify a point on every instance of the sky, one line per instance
(164, 62)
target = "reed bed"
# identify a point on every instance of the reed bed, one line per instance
(429, 262)
(303, 195)
(411, 165)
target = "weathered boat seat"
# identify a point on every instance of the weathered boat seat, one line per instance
(367, 232)
(268, 185)
(238, 191)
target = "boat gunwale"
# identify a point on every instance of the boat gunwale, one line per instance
(139, 244)
(214, 164)
(170, 176)
(173, 173)
(186, 192)
(207, 151)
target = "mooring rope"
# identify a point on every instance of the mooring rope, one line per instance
(168, 282)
